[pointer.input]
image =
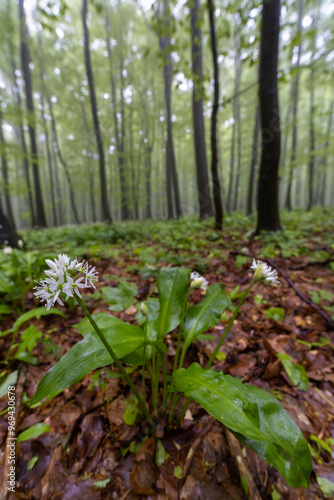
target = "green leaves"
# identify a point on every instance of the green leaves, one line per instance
(33, 432)
(295, 372)
(120, 298)
(173, 287)
(254, 416)
(206, 314)
(89, 354)
(35, 313)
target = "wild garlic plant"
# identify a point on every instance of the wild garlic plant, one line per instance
(254, 416)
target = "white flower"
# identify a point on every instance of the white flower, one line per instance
(263, 271)
(64, 276)
(197, 281)
(20, 243)
(8, 251)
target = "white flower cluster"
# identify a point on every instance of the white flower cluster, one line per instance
(197, 281)
(64, 276)
(263, 272)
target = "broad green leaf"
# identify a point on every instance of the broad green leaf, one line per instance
(32, 462)
(6, 381)
(35, 313)
(29, 339)
(87, 355)
(295, 372)
(33, 432)
(27, 358)
(5, 283)
(254, 416)
(102, 320)
(120, 298)
(206, 314)
(173, 287)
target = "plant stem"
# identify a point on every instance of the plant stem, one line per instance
(116, 361)
(144, 358)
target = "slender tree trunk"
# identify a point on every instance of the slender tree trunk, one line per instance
(254, 159)
(325, 153)
(171, 172)
(103, 179)
(25, 58)
(294, 100)
(267, 204)
(49, 157)
(203, 187)
(4, 165)
(236, 124)
(236, 105)
(134, 185)
(148, 187)
(8, 234)
(214, 148)
(312, 143)
(62, 161)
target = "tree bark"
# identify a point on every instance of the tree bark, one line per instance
(25, 59)
(4, 165)
(171, 172)
(312, 143)
(323, 161)
(98, 135)
(254, 159)
(214, 148)
(294, 100)
(267, 203)
(62, 161)
(203, 187)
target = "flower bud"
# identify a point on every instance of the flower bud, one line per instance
(143, 309)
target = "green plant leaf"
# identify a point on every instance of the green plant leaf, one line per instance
(102, 320)
(206, 314)
(178, 472)
(89, 354)
(120, 298)
(173, 287)
(254, 416)
(6, 381)
(275, 313)
(326, 486)
(5, 309)
(33, 432)
(32, 462)
(295, 372)
(132, 412)
(160, 455)
(35, 313)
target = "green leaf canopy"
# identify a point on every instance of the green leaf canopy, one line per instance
(254, 416)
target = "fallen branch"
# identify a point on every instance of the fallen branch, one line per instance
(318, 309)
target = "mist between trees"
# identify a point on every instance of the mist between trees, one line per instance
(117, 110)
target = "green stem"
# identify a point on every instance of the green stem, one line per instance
(183, 412)
(116, 361)
(227, 329)
(164, 401)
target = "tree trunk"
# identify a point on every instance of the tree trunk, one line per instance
(235, 126)
(323, 161)
(49, 157)
(203, 187)
(294, 100)
(4, 165)
(103, 179)
(267, 203)
(8, 234)
(253, 162)
(214, 148)
(312, 143)
(236, 107)
(171, 172)
(25, 58)
(62, 161)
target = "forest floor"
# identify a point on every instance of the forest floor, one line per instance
(91, 453)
